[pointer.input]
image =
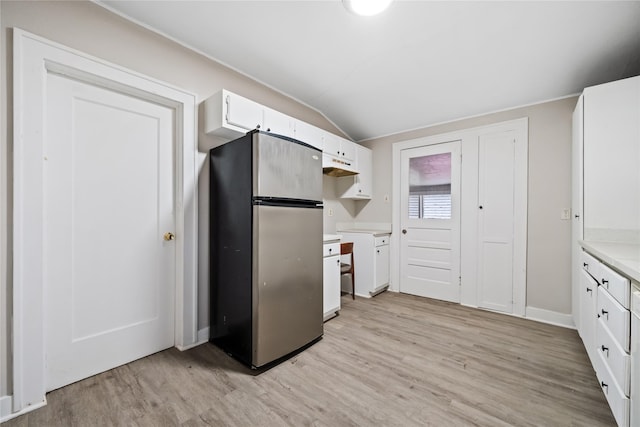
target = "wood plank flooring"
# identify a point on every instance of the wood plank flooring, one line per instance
(394, 360)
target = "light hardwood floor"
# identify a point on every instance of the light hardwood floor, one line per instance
(394, 360)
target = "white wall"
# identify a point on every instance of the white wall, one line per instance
(92, 29)
(549, 237)
(344, 210)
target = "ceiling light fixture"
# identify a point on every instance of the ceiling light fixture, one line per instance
(366, 7)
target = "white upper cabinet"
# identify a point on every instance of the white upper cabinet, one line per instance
(339, 147)
(243, 112)
(308, 134)
(230, 115)
(338, 156)
(360, 186)
(278, 123)
(611, 154)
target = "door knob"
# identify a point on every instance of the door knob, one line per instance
(169, 236)
(404, 231)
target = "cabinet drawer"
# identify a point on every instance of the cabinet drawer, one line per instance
(615, 357)
(591, 265)
(382, 240)
(617, 285)
(618, 402)
(615, 317)
(329, 249)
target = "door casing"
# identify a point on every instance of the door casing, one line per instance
(469, 216)
(34, 57)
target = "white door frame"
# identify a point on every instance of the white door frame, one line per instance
(34, 57)
(468, 208)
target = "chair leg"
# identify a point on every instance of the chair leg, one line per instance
(353, 285)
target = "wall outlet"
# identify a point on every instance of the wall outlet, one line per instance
(330, 211)
(386, 198)
(565, 214)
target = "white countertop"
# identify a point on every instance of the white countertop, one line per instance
(331, 237)
(624, 257)
(374, 232)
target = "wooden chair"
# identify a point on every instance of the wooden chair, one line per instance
(346, 249)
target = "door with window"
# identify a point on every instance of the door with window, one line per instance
(430, 221)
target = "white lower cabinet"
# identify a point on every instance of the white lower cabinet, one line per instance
(588, 291)
(618, 401)
(605, 324)
(614, 356)
(371, 259)
(331, 279)
(382, 262)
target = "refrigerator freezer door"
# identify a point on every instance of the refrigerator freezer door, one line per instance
(286, 169)
(287, 280)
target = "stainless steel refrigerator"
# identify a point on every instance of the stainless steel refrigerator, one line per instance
(265, 247)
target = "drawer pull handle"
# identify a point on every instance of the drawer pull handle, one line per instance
(605, 313)
(605, 349)
(585, 265)
(606, 283)
(338, 261)
(589, 290)
(604, 386)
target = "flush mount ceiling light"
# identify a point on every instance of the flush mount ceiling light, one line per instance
(366, 7)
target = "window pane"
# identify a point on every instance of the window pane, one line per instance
(414, 207)
(430, 186)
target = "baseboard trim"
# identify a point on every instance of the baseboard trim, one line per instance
(6, 404)
(550, 317)
(203, 337)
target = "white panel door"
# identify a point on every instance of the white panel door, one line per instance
(430, 221)
(496, 159)
(108, 198)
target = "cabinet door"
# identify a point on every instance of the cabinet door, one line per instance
(618, 286)
(331, 288)
(348, 149)
(588, 317)
(614, 356)
(364, 158)
(615, 317)
(382, 266)
(358, 186)
(243, 112)
(331, 144)
(278, 123)
(611, 153)
(308, 134)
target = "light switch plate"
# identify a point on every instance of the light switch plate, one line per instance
(565, 214)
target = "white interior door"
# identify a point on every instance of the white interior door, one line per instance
(109, 275)
(496, 158)
(430, 221)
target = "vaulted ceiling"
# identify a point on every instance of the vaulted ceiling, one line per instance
(417, 64)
